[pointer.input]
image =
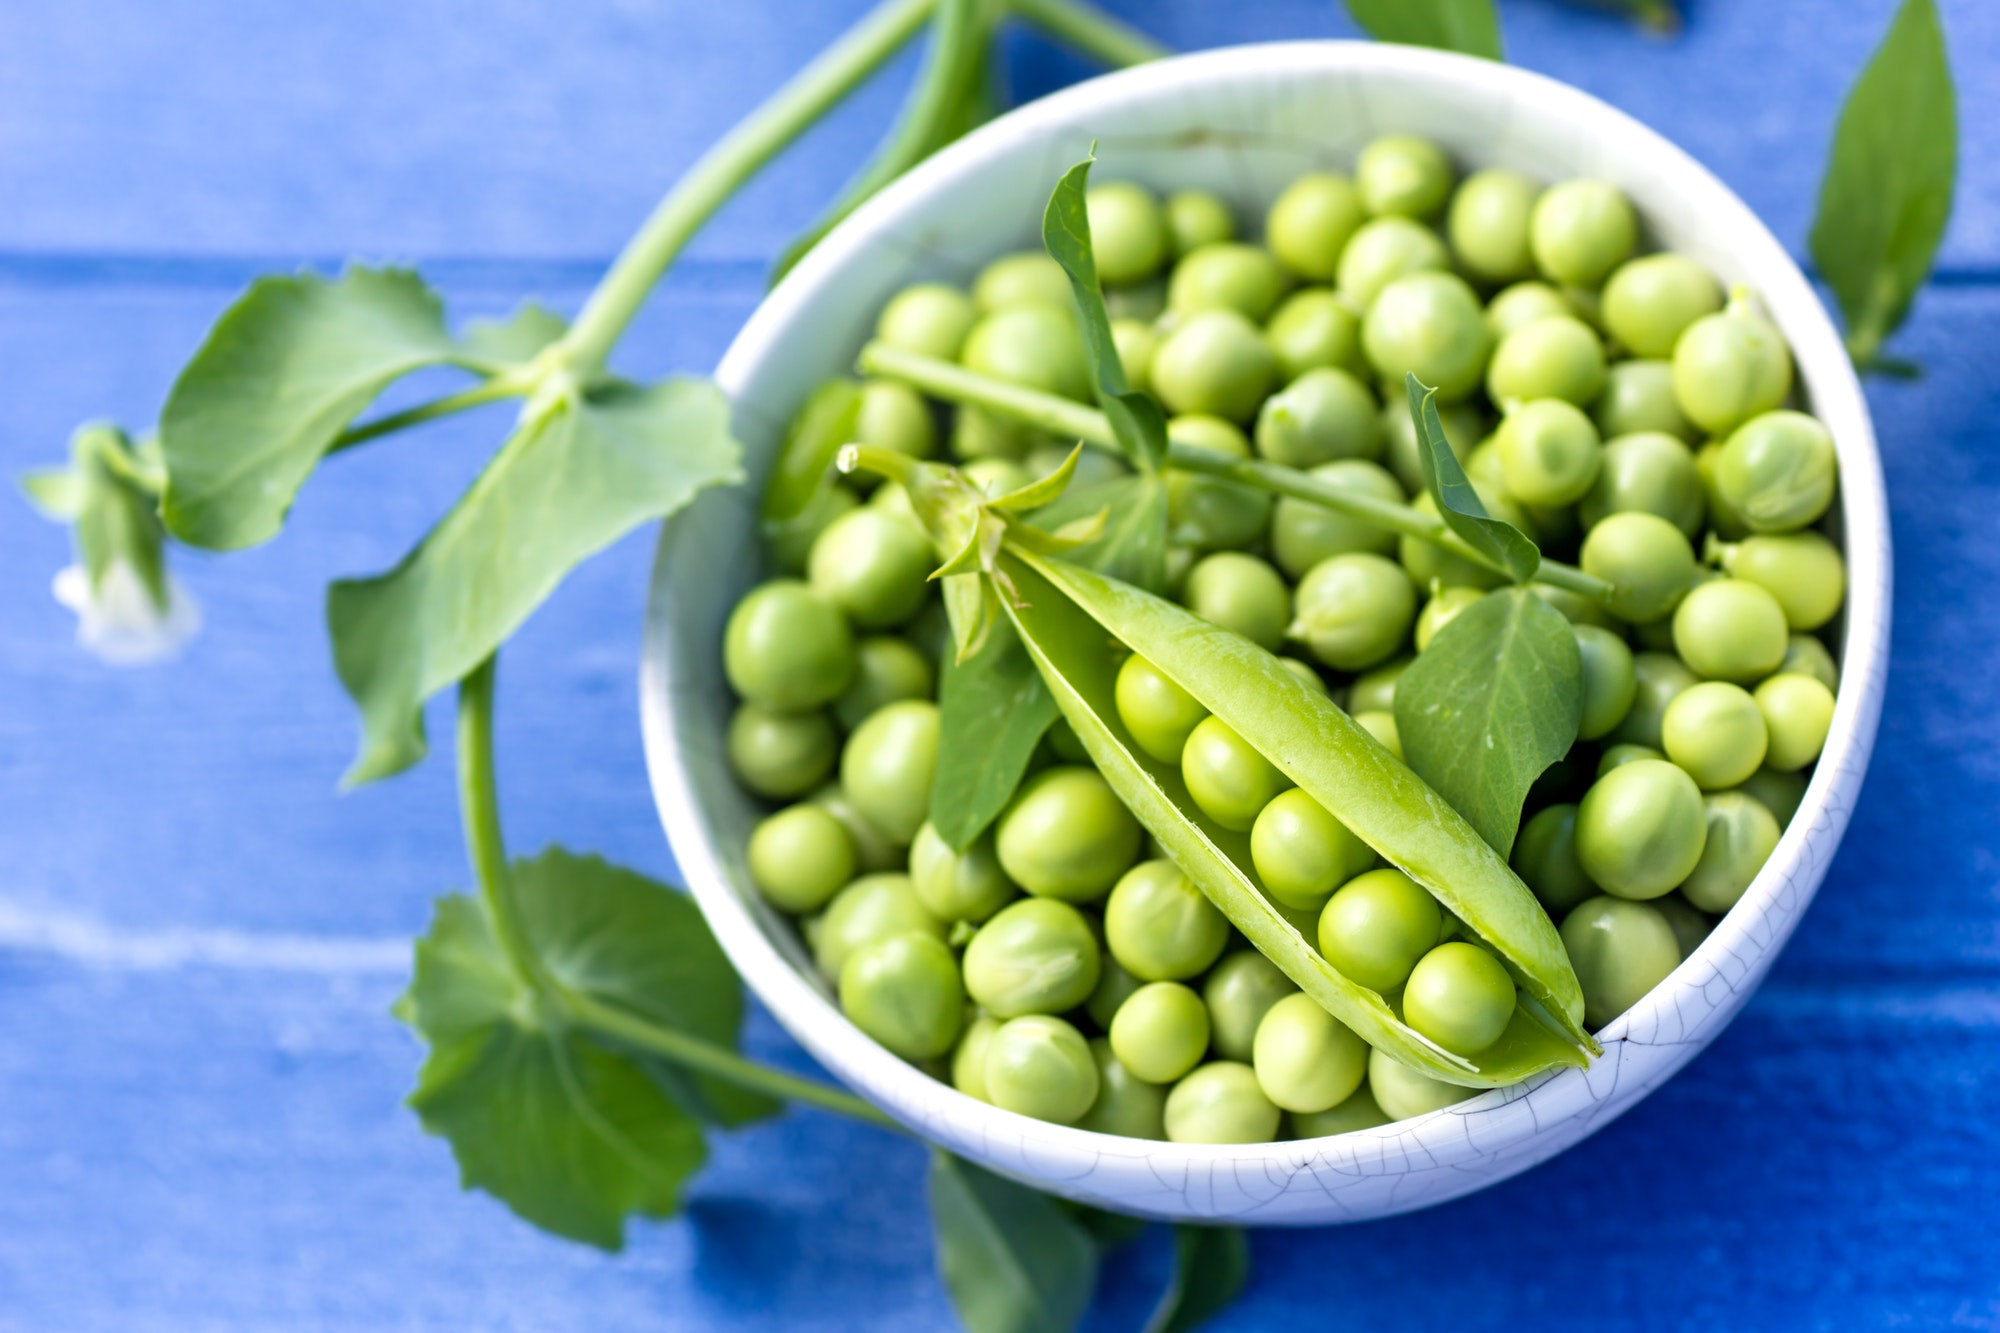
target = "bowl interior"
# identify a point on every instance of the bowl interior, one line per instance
(1242, 122)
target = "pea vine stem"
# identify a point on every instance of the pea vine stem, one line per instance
(1090, 31)
(1072, 420)
(486, 391)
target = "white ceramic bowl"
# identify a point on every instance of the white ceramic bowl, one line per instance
(1241, 121)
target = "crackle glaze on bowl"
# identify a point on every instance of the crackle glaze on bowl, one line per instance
(1243, 122)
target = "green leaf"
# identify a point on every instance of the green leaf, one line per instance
(1211, 1264)
(1012, 1260)
(1136, 420)
(574, 477)
(829, 419)
(1110, 1230)
(57, 492)
(947, 99)
(516, 340)
(1660, 16)
(1889, 181)
(1458, 504)
(1133, 546)
(1068, 617)
(280, 375)
(1468, 26)
(1493, 701)
(992, 712)
(108, 496)
(570, 1132)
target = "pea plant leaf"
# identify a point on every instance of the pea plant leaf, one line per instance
(572, 1133)
(1136, 420)
(1888, 188)
(1470, 27)
(1211, 1264)
(1658, 16)
(1457, 502)
(1493, 701)
(1132, 548)
(575, 476)
(496, 344)
(281, 374)
(111, 505)
(1012, 1259)
(992, 712)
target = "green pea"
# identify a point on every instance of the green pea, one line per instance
(1208, 513)
(1803, 570)
(1036, 346)
(1302, 853)
(1649, 472)
(1403, 175)
(1807, 656)
(1639, 829)
(1238, 993)
(787, 647)
(1576, 608)
(1442, 608)
(1617, 756)
(1126, 1106)
(1214, 362)
(1226, 276)
(1303, 533)
(1777, 471)
(1429, 565)
(1555, 357)
(1649, 302)
(929, 319)
(1160, 927)
(1040, 1066)
(1314, 329)
(1581, 230)
(996, 476)
(1383, 250)
(1726, 523)
(1025, 278)
(886, 670)
(1161, 1032)
(874, 566)
(887, 766)
(1639, 396)
(1360, 1111)
(904, 992)
(1136, 341)
(1197, 218)
(1375, 691)
(1321, 416)
(1035, 956)
(1488, 225)
(1310, 223)
(780, 755)
(1220, 1103)
(799, 858)
(1242, 593)
(1376, 926)
(1225, 775)
(1690, 925)
(958, 886)
(968, 1059)
(1609, 682)
(1716, 733)
(981, 435)
(1780, 793)
(1797, 712)
(1404, 1094)
(1382, 726)
(1658, 678)
(1742, 834)
(1065, 835)
(1460, 997)
(1620, 950)
(1305, 1059)
(1647, 561)
(1464, 427)
(895, 417)
(1728, 368)
(874, 907)
(790, 541)
(1114, 986)
(1730, 629)
(1354, 610)
(1514, 308)
(1549, 452)
(1545, 859)
(1428, 325)
(1128, 232)
(1159, 714)
(873, 852)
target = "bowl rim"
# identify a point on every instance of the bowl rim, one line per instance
(912, 1096)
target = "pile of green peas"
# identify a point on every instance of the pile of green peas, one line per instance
(1618, 406)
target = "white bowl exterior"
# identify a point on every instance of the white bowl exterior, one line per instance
(1242, 121)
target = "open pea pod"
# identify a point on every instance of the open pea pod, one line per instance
(1068, 617)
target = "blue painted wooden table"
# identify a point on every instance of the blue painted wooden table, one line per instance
(199, 1082)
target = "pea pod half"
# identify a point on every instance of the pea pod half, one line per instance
(1063, 613)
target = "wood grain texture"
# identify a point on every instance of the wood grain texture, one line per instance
(199, 1087)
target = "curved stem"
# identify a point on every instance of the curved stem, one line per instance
(1090, 30)
(1072, 420)
(695, 1053)
(486, 391)
(479, 809)
(724, 168)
